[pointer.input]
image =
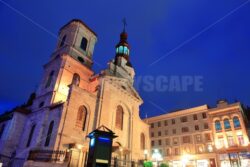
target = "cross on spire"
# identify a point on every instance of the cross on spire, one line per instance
(124, 24)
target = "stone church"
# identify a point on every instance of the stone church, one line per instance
(72, 101)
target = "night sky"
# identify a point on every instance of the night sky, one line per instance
(207, 38)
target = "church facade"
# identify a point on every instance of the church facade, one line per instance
(72, 101)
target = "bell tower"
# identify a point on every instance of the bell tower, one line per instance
(70, 63)
(77, 40)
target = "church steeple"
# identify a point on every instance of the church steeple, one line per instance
(123, 48)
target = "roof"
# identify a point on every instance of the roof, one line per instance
(6, 116)
(79, 21)
(178, 113)
(9, 114)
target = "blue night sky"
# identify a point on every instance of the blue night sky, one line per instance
(210, 38)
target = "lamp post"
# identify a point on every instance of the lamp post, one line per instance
(157, 156)
(146, 155)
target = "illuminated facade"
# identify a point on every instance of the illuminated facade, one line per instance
(202, 136)
(72, 101)
(230, 134)
(184, 137)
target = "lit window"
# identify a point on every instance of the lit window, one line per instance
(221, 142)
(236, 122)
(230, 140)
(120, 49)
(210, 148)
(200, 149)
(217, 125)
(125, 50)
(227, 124)
(175, 140)
(240, 139)
(198, 138)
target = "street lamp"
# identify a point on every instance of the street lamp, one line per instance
(157, 156)
(146, 154)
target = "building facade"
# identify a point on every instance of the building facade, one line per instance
(202, 136)
(72, 101)
(229, 126)
(184, 135)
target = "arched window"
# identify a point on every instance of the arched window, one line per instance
(120, 49)
(84, 43)
(75, 79)
(49, 133)
(236, 122)
(63, 41)
(119, 117)
(2, 130)
(142, 141)
(49, 79)
(82, 117)
(217, 125)
(31, 135)
(227, 124)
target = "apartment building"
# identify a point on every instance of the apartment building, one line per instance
(202, 136)
(229, 126)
